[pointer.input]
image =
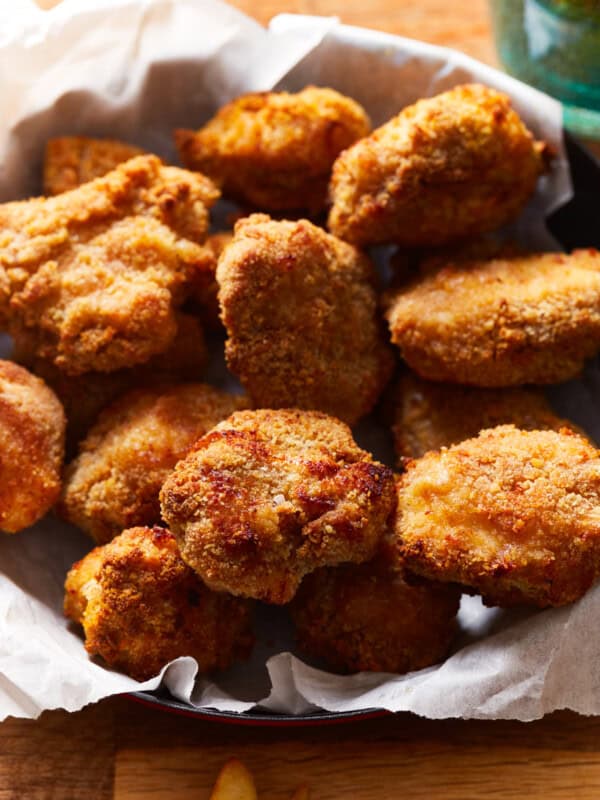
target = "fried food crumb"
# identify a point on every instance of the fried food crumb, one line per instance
(70, 161)
(90, 279)
(115, 480)
(512, 515)
(274, 150)
(300, 309)
(447, 168)
(374, 617)
(32, 445)
(141, 606)
(504, 322)
(429, 416)
(84, 396)
(269, 496)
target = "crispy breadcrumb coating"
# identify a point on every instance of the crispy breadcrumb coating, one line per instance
(206, 293)
(96, 273)
(269, 496)
(374, 617)
(84, 396)
(300, 309)
(141, 606)
(127, 455)
(513, 515)
(70, 161)
(505, 322)
(275, 150)
(446, 168)
(32, 445)
(429, 416)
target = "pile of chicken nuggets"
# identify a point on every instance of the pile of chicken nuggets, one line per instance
(203, 503)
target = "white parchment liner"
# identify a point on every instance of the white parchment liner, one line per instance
(135, 69)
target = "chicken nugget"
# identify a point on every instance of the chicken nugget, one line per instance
(374, 617)
(70, 161)
(505, 322)
(446, 168)
(274, 150)
(300, 309)
(429, 416)
(141, 606)
(206, 293)
(91, 278)
(32, 445)
(114, 482)
(84, 396)
(513, 515)
(269, 496)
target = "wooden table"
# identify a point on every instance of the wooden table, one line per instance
(119, 750)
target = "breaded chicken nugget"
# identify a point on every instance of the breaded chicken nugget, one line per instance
(275, 150)
(96, 273)
(429, 416)
(513, 515)
(141, 606)
(446, 168)
(127, 455)
(528, 319)
(300, 309)
(70, 161)
(374, 617)
(84, 396)
(269, 496)
(206, 293)
(32, 445)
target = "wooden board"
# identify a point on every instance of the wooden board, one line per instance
(119, 750)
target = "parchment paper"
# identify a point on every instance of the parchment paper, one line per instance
(135, 69)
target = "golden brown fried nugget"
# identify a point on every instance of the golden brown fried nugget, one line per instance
(374, 617)
(127, 455)
(528, 319)
(513, 515)
(429, 416)
(269, 496)
(72, 160)
(84, 396)
(141, 606)
(275, 150)
(32, 445)
(94, 275)
(300, 309)
(446, 168)
(206, 293)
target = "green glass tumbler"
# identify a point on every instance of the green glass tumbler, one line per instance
(554, 45)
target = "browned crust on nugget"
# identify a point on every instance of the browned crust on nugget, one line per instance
(429, 416)
(32, 444)
(141, 606)
(70, 161)
(94, 275)
(114, 482)
(300, 309)
(447, 168)
(374, 617)
(84, 396)
(505, 322)
(274, 150)
(513, 515)
(269, 496)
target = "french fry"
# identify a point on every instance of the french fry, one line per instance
(234, 782)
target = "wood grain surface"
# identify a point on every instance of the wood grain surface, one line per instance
(119, 750)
